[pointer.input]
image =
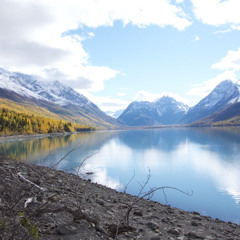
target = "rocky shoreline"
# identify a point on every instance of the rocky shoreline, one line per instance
(43, 203)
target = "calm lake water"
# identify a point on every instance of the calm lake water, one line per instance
(203, 160)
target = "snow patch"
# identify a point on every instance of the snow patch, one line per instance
(29, 86)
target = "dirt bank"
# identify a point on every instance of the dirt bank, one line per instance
(63, 206)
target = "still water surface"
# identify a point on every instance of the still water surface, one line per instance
(203, 160)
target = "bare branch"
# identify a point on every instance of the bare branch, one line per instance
(145, 183)
(163, 188)
(125, 189)
(68, 153)
(149, 194)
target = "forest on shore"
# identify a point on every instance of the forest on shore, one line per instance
(12, 122)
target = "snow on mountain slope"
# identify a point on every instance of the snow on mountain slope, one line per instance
(223, 95)
(29, 86)
(226, 92)
(165, 110)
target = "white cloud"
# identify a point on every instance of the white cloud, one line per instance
(235, 27)
(217, 12)
(229, 29)
(36, 35)
(223, 31)
(230, 61)
(106, 103)
(230, 64)
(122, 94)
(179, 1)
(196, 38)
(151, 97)
(91, 34)
(206, 87)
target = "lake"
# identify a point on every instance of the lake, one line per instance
(203, 160)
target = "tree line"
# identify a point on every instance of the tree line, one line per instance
(12, 122)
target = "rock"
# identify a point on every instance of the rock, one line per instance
(175, 231)
(196, 213)
(66, 230)
(218, 221)
(152, 225)
(141, 230)
(193, 234)
(53, 198)
(100, 202)
(138, 213)
(114, 229)
(180, 238)
(197, 218)
(170, 211)
(166, 220)
(195, 224)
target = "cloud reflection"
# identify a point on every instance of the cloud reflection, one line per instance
(225, 174)
(118, 158)
(100, 176)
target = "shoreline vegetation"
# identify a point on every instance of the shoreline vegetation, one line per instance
(14, 123)
(37, 202)
(21, 125)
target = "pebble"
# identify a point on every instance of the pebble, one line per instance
(193, 234)
(152, 225)
(195, 224)
(138, 213)
(175, 231)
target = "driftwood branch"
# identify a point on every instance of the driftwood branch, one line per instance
(28, 181)
(29, 200)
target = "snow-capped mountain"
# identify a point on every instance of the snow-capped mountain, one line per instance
(52, 98)
(164, 111)
(29, 86)
(222, 96)
(56, 100)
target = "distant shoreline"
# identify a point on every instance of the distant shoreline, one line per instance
(43, 135)
(30, 136)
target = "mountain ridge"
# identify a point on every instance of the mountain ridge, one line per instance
(30, 94)
(223, 95)
(26, 93)
(164, 111)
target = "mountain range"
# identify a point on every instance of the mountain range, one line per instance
(164, 111)
(25, 93)
(222, 102)
(29, 94)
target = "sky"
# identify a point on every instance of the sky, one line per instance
(118, 51)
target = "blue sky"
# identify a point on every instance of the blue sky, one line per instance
(118, 51)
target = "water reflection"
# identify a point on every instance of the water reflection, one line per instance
(37, 149)
(204, 160)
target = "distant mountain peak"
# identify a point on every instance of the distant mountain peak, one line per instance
(225, 93)
(164, 111)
